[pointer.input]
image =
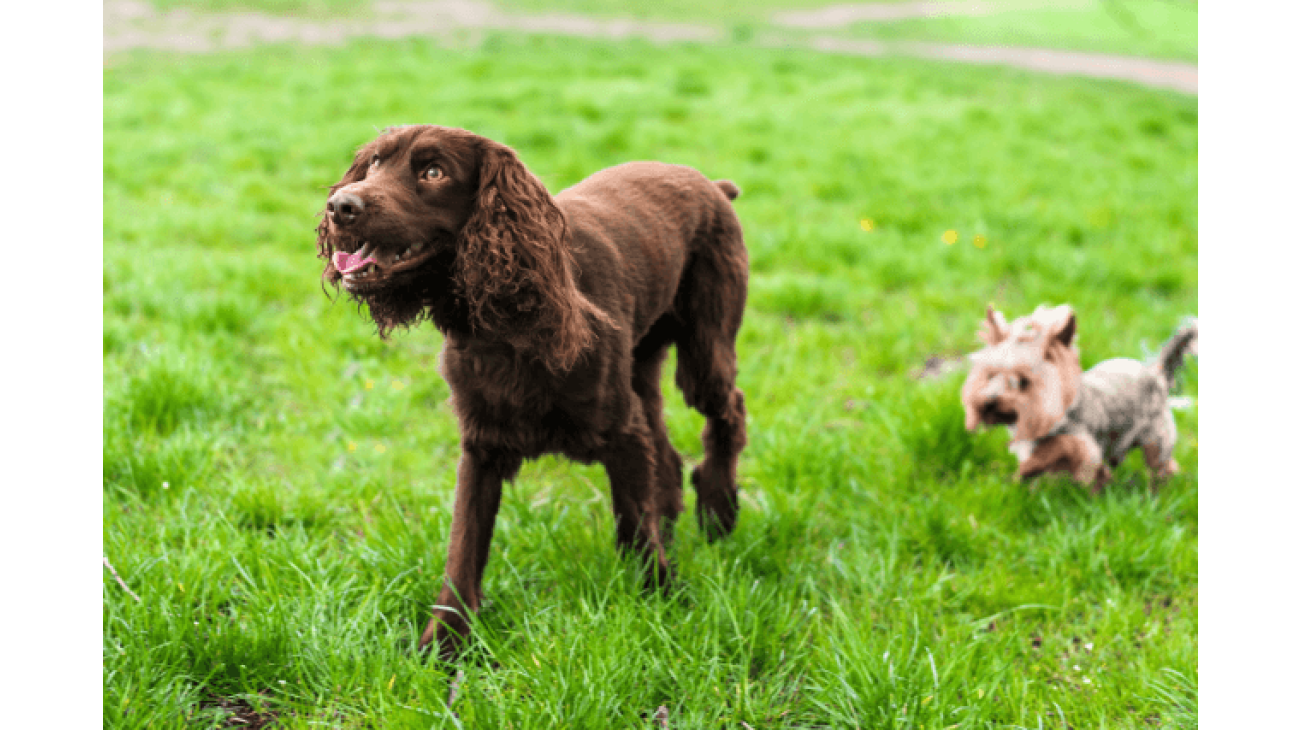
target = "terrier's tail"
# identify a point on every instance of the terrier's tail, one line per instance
(1183, 343)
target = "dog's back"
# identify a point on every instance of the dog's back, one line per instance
(647, 201)
(641, 227)
(1123, 398)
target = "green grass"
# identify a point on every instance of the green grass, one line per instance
(277, 481)
(1155, 28)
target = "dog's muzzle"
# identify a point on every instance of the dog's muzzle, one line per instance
(992, 414)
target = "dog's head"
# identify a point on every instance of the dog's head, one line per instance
(434, 219)
(1028, 374)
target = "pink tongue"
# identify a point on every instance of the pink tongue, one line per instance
(347, 263)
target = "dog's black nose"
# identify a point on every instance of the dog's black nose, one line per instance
(345, 207)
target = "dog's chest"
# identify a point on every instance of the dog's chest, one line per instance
(506, 401)
(1022, 450)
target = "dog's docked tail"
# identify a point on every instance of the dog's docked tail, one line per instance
(1183, 343)
(728, 189)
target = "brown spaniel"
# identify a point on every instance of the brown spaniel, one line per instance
(557, 313)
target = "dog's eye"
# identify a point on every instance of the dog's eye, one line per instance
(433, 173)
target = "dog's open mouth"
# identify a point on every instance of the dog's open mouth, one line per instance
(994, 416)
(370, 264)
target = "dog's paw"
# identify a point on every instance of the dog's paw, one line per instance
(660, 576)
(717, 506)
(1097, 476)
(446, 635)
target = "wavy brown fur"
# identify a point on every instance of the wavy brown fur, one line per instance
(515, 266)
(558, 313)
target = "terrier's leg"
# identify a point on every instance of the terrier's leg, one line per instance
(1076, 455)
(1158, 450)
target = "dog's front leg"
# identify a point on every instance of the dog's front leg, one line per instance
(478, 496)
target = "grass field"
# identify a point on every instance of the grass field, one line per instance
(277, 481)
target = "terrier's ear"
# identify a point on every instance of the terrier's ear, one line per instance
(1061, 325)
(994, 327)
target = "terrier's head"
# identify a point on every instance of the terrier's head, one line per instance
(1027, 375)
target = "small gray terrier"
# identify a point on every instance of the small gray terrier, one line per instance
(1062, 419)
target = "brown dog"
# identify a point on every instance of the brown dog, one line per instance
(557, 314)
(1063, 419)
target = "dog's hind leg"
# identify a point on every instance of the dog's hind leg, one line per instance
(630, 460)
(1158, 450)
(717, 492)
(666, 490)
(710, 304)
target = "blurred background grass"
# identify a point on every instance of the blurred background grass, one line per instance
(277, 480)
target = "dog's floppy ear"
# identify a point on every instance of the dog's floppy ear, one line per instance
(994, 327)
(514, 266)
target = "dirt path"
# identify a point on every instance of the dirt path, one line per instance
(840, 16)
(136, 24)
(132, 24)
(1147, 72)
